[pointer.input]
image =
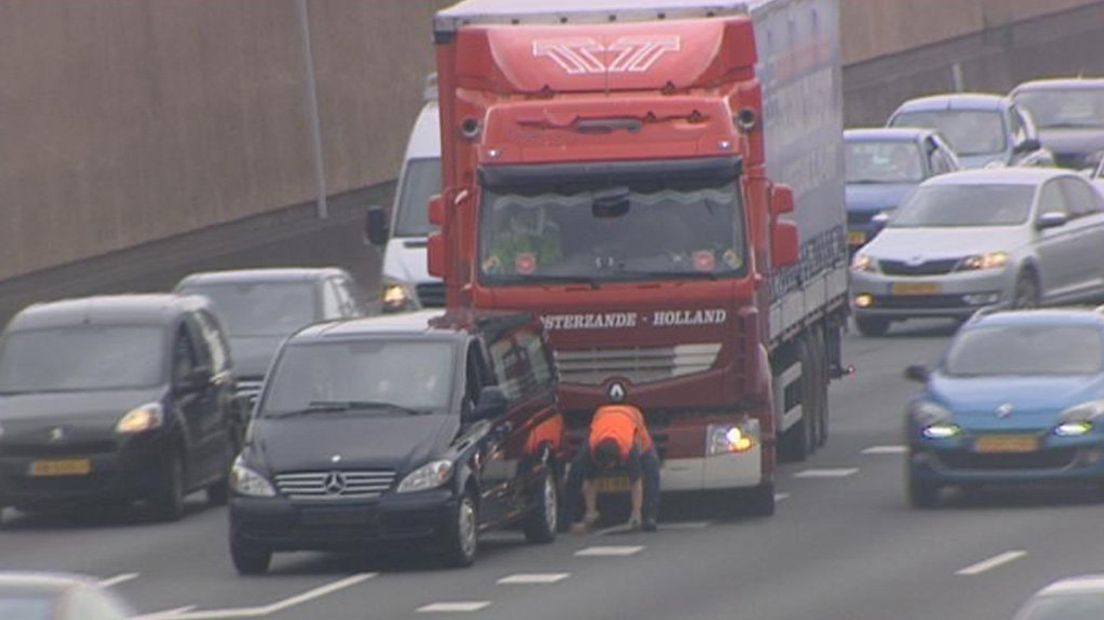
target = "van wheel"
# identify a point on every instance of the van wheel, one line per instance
(872, 327)
(168, 500)
(462, 538)
(543, 522)
(249, 559)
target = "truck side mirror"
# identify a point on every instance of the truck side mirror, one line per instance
(375, 226)
(436, 256)
(785, 247)
(437, 210)
(781, 200)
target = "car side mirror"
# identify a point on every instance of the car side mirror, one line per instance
(1051, 220)
(918, 373)
(879, 220)
(196, 380)
(375, 226)
(1029, 144)
(785, 246)
(492, 404)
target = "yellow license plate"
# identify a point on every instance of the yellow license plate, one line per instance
(916, 288)
(612, 485)
(1007, 444)
(70, 467)
(857, 237)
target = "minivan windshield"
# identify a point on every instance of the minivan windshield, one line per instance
(1026, 350)
(85, 357)
(1073, 108)
(409, 374)
(968, 132)
(420, 182)
(261, 308)
(948, 205)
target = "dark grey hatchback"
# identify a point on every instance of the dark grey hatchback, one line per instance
(115, 399)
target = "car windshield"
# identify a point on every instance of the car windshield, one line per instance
(1065, 108)
(642, 230)
(86, 357)
(421, 180)
(883, 162)
(1084, 606)
(946, 205)
(261, 308)
(1026, 350)
(19, 606)
(415, 375)
(968, 132)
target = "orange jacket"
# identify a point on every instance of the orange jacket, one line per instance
(625, 425)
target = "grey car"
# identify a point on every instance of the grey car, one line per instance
(57, 596)
(1070, 116)
(1008, 237)
(1072, 598)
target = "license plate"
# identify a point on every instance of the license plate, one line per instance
(612, 485)
(916, 288)
(1007, 444)
(857, 237)
(322, 516)
(70, 467)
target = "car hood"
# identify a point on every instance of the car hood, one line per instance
(404, 260)
(867, 197)
(253, 354)
(921, 244)
(382, 440)
(31, 418)
(1073, 141)
(1034, 401)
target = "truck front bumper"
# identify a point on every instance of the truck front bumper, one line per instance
(722, 471)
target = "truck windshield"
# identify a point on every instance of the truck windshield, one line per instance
(641, 230)
(420, 182)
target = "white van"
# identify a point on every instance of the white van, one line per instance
(407, 284)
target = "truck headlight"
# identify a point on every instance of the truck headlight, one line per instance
(245, 481)
(731, 438)
(982, 262)
(141, 419)
(396, 296)
(428, 476)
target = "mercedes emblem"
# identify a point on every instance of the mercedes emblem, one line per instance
(334, 483)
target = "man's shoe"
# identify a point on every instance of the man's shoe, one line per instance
(650, 525)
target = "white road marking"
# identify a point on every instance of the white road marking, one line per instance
(684, 525)
(885, 450)
(781, 497)
(841, 472)
(117, 579)
(165, 614)
(991, 563)
(533, 578)
(265, 610)
(610, 551)
(458, 606)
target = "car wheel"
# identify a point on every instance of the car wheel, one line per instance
(462, 538)
(1026, 294)
(872, 326)
(923, 493)
(543, 522)
(249, 559)
(168, 500)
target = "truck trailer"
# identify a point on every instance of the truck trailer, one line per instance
(662, 182)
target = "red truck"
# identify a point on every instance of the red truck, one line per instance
(617, 167)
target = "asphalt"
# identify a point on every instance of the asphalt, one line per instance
(843, 545)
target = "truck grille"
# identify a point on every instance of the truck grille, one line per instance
(431, 294)
(638, 364)
(927, 268)
(335, 484)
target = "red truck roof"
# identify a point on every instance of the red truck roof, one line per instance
(488, 12)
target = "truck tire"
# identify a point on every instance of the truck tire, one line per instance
(800, 441)
(821, 355)
(872, 327)
(759, 502)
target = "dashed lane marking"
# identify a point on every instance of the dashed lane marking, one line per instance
(841, 472)
(610, 551)
(117, 579)
(991, 563)
(684, 525)
(165, 614)
(885, 450)
(453, 607)
(533, 578)
(263, 610)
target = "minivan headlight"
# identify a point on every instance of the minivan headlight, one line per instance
(428, 476)
(245, 481)
(396, 296)
(141, 419)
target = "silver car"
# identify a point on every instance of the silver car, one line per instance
(1008, 237)
(1073, 598)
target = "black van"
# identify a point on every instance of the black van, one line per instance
(421, 427)
(116, 399)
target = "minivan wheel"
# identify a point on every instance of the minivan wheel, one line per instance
(168, 500)
(1026, 293)
(462, 539)
(543, 522)
(249, 559)
(872, 326)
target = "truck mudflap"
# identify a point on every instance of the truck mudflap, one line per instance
(721, 471)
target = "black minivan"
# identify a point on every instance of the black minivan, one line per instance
(419, 428)
(115, 399)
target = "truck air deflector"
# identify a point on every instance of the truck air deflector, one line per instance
(512, 12)
(710, 169)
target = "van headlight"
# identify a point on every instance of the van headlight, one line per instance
(396, 296)
(731, 438)
(429, 476)
(141, 419)
(245, 481)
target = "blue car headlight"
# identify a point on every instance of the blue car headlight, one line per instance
(1080, 419)
(934, 420)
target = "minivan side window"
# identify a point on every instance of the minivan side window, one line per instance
(212, 335)
(509, 367)
(538, 358)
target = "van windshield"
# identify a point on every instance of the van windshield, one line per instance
(421, 181)
(969, 132)
(86, 357)
(261, 308)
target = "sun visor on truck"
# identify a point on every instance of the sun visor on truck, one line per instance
(711, 169)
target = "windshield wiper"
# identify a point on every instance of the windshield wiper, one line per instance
(341, 406)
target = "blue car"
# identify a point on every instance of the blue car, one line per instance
(1017, 398)
(883, 167)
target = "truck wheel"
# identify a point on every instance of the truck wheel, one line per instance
(543, 522)
(872, 327)
(821, 354)
(922, 493)
(462, 537)
(800, 440)
(759, 502)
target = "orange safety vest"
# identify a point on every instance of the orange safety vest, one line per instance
(623, 424)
